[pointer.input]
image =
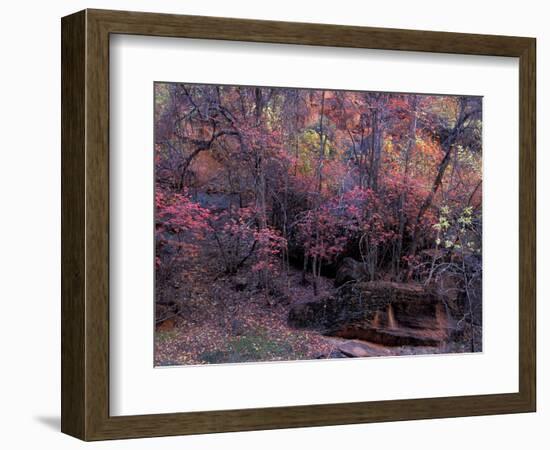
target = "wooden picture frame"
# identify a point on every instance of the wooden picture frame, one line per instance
(85, 224)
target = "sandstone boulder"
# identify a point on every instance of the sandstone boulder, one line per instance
(382, 312)
(326, 313)
(358, 349)
(390, 338)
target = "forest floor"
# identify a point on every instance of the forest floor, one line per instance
(227, 322)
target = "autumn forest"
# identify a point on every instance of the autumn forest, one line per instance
(296, 224)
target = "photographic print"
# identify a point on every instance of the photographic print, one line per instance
(303, 224)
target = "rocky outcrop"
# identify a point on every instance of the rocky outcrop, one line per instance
(380, 312)
(323, 313)
(391, 338)
(404, 305)
(376, 302)
(326, 313)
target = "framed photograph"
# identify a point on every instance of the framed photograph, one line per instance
(273, 225)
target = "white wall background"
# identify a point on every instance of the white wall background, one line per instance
(30, 224)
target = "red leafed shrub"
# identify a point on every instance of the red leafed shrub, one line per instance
(180, 222)
(242, 241)
(270, 244)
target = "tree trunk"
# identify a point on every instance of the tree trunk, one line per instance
(403, 197)
(375, 150)
(448, 146)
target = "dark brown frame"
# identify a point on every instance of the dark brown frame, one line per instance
(85, 224)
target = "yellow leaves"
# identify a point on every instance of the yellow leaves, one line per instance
(427, 146)
(389, 148)
(309, 145)
(443, 224)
